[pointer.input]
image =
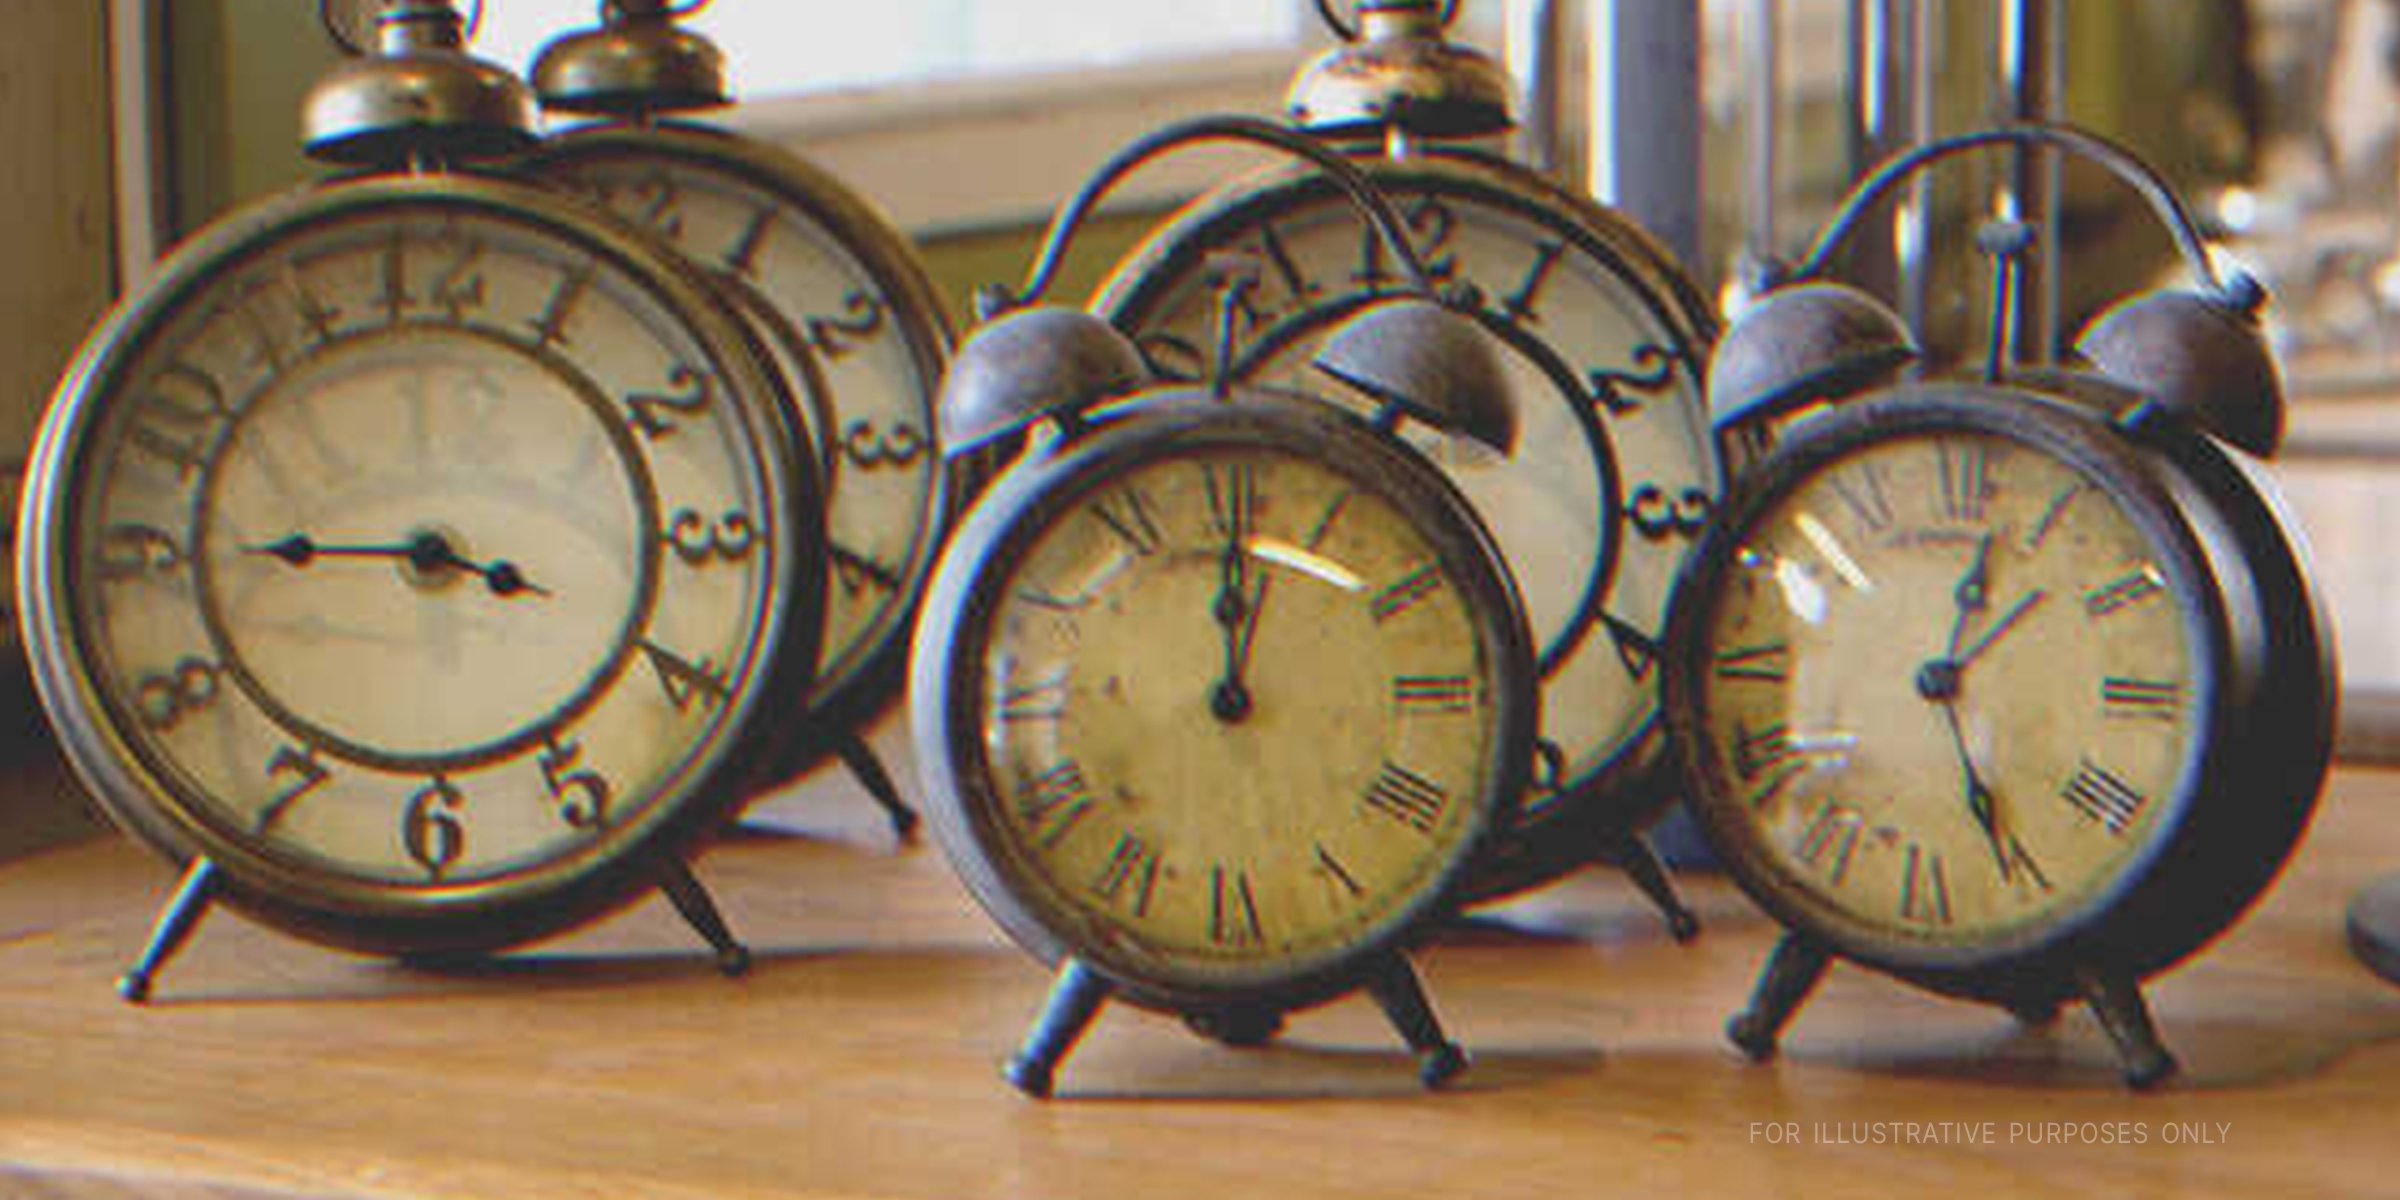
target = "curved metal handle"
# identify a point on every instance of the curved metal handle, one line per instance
(1348, 32)
(1352, 182)
(2089, 146)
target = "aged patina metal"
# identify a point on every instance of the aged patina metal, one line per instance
(418, 94)
(639, 62)
(1399, 73)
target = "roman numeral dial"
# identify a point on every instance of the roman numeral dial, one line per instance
(1949, 689)
(1322, 805)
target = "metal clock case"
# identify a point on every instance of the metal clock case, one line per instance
(1616, 473)
(837, 294)
(1219, 690)
(1241, 903)
(2010, 686)
(407, 560)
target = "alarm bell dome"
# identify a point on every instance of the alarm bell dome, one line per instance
(1433, 363)
(2201, 355)
(1030, 364)
(1803, 342)
(419, 93)
(637, 63)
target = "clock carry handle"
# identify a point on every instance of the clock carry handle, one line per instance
(2196, 352)
(1416, 353)
(1070, 217)
(2090, 147)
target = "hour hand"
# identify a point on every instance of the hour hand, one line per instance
(426, 553)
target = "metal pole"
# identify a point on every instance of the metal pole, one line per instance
(1645, 116)
(2029, 82)
(1762, 77)
(1534, 52)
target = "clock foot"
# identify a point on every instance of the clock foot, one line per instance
(175, 925)
(2117, 1001)
(2039, 1014)
(856, 755)
(1075, 999)
(692, 900)
(1401, 994)
(1242, 1027)
(1641, 863)
(1791, 974)
(2375, 927)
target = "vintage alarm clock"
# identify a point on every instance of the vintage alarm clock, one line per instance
(2009, 684)
(832, 289)
(1604, 340)
(407, 559)
(1219, 689)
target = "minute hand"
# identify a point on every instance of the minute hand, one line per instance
(2007, 621)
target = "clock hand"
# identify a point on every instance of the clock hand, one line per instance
(1972, 593)
(1235, 609)
(2007, 621)
(1979, 794)
(427, 552)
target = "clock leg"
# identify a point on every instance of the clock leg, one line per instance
(1641, 863)
(1791, 974)
(1075, 999)
(868, 769)
(175, 926)
(1401, 994)
(2117, 1001)
(692, 900)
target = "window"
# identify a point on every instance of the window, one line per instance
(777, 48)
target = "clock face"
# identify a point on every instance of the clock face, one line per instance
(1241, 713)
(851, 321)
(420, 549)
(1949, 694)
(1614, 473)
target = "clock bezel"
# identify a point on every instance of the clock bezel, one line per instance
(2263, 734)
(954, 633)
(140, 796)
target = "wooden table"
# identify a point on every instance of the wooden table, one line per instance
(859, 1057)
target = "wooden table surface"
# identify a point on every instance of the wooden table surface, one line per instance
(859, 1058)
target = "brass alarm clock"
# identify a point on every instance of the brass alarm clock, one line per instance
(1604, 340)
(2009, 684)
(407, 559)
(832, 289)
(1219, 689)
